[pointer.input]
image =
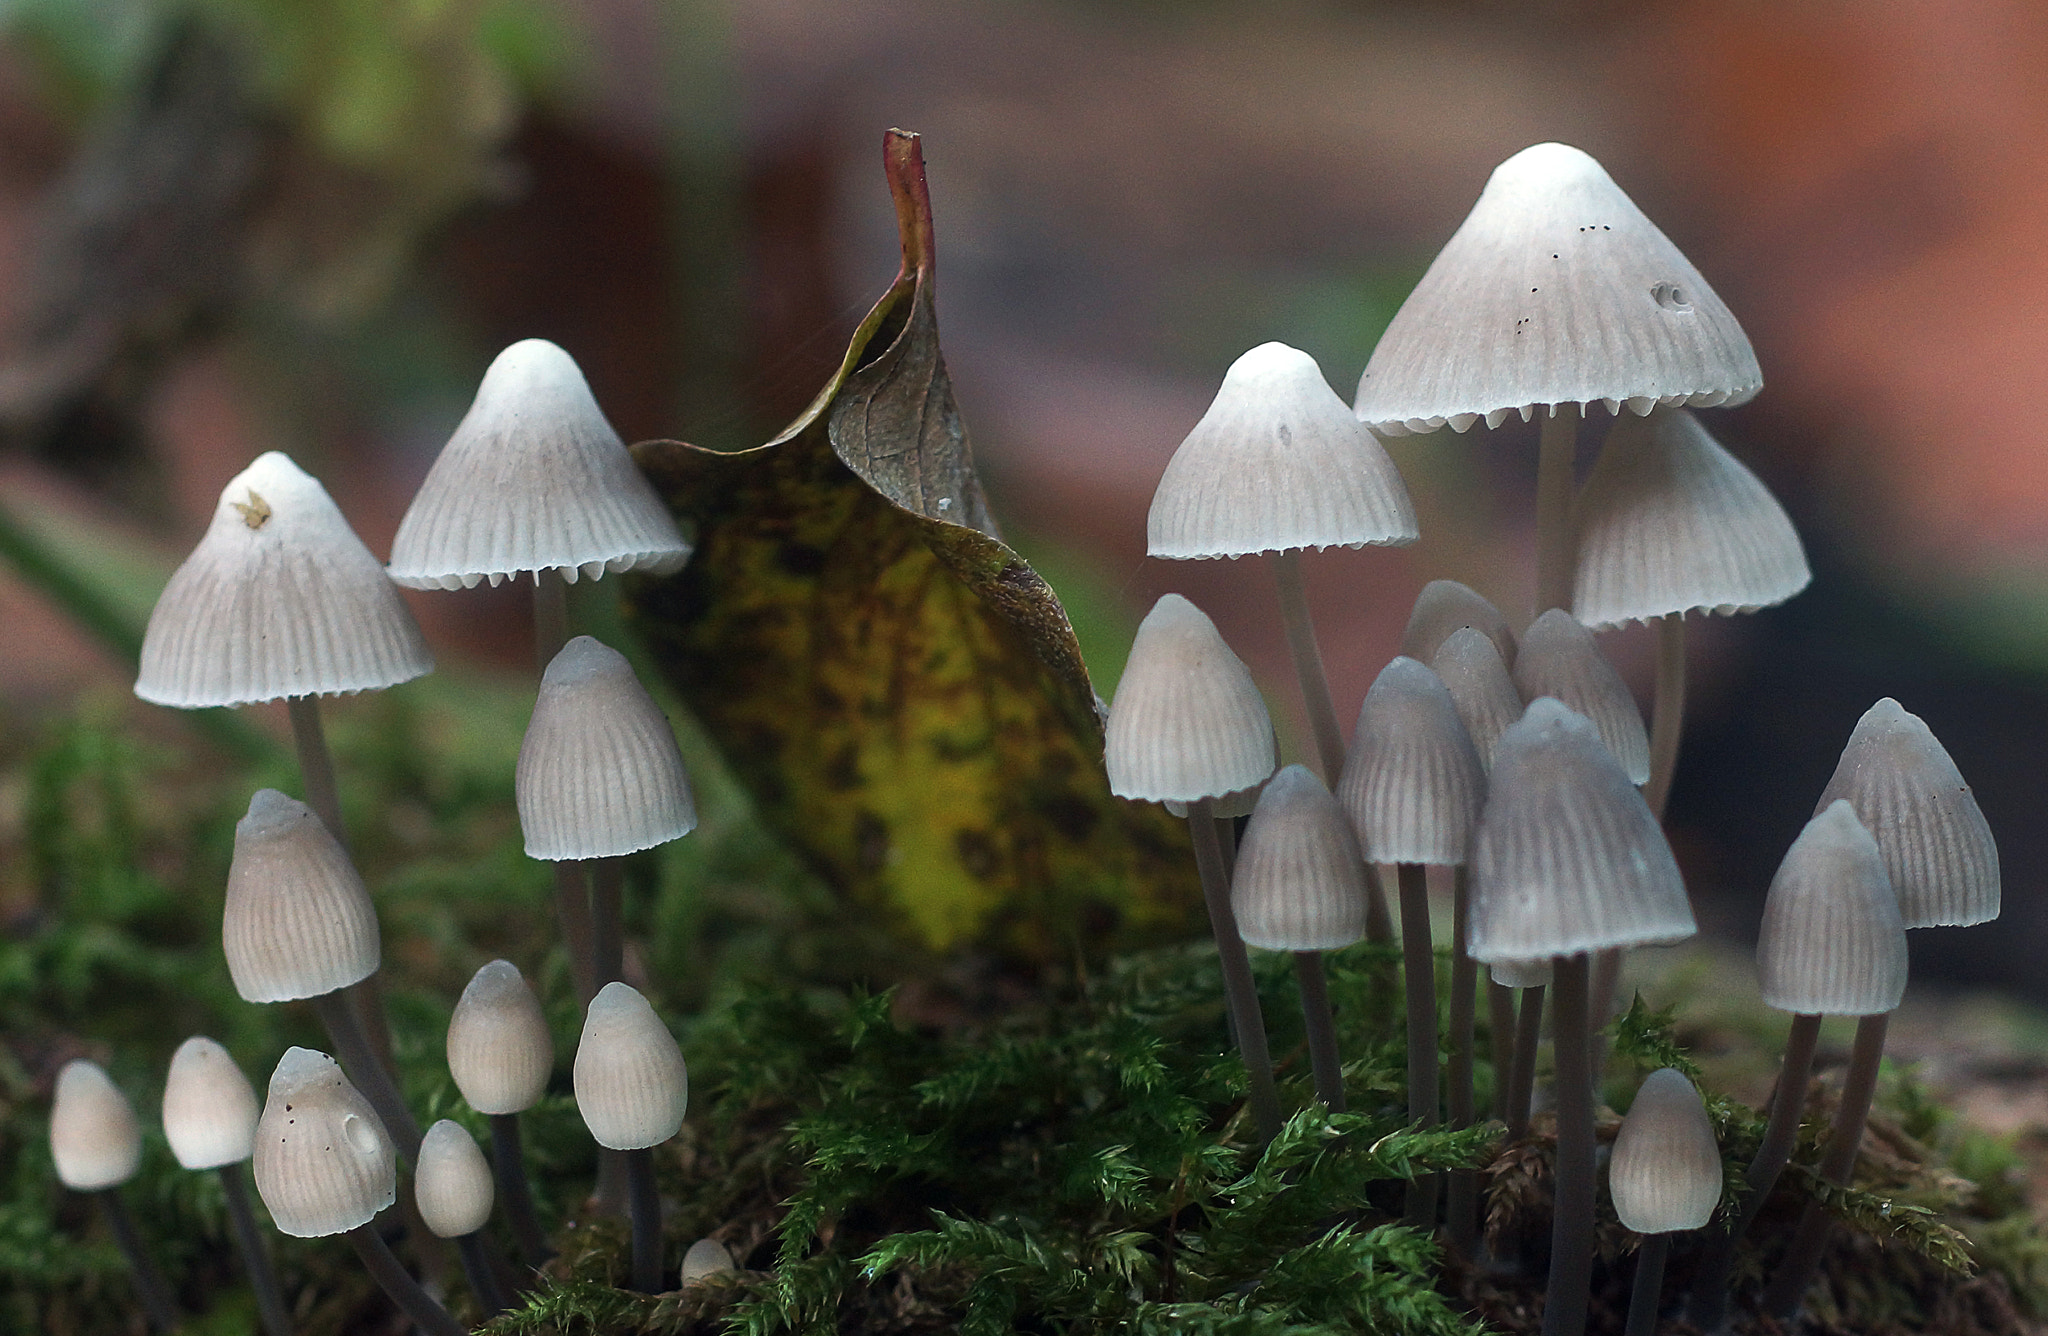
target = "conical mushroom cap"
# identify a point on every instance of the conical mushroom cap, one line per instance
(1911, 798)
(1560, 658)
(210, 1109)
(1445, 607)
(1413, 782)
(533, 479)
(631, 1086)
(1665, 1172)
(452, 1183)
(1522, 973)
(1187, 722)
(324, 1163)
(1669, 522)
(94, 1138)
(706, 1257)
(599, 772)
(280, 598)
(298, 920)
(499, 1049)
(1278, 462)
(1832, 943)
(1555, 290)
(1569, 858)
(1488, 705)
(1299, 883)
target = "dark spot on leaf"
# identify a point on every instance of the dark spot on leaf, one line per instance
(1071, 817)
(800, 558)
(977, 853)
(871, 841)
(842, 770)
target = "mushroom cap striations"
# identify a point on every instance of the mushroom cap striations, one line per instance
(533, 479)
(706, 1257)
(1669, 522)
(298, 920)
(1665, 1172)
(1277, 463)
(1832, 943)
(1187, 722)
(94, 1138)
(210, 1109)
(1560, 658)
(1488, 705)
(280, 598)
(599, 772)
(1413, 782)
(1555, 290)
(631, 1086)
(1445, 607)
(1299, 883)
(499, 1049)
(452, 1184)
(1522, 973)
(1569, 858)
(1911, 798)
(324, 1163)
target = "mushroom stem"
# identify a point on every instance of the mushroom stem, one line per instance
(1322, 1028)
(1379, 924)
(483, 1278)
(1462, 1192)
(359, 1061)
(572, 912)
(1500, 1042)
(413, 1301)
(646, 1212)
(508, 1161)
(270, 1309)
(1667, 711)
(1418, 961)
(1241, 993)
(1649, 1286)
(607, 927)
(1522, 1077)
(1606, 979)
(1571, 1232)
(550, 616)
(149, 1282)
(1554, 554)
(316, 764)
(1308, 665)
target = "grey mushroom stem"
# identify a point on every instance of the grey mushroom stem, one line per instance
(550, 617)
(270, 1309)
(645, 1208)
(508, 1165)
(1667, 712)
(1571, 1233)
(1418, 960)
(483, 1277)
(1239, 990)
(1308, 665)
(1555, 556)
(1321, 1026)
(607, 920)
(1461, 1195)
(1500, 1042)
(1522, 1076)
(155, 1296)
(398, 1283)
(1649, 1286)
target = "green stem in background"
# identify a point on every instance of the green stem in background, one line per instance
(149, 1282)
(1522, 1076)
(413, 1301)
(357, 1059)
(1500, 1042)
(1571, 1231)
(646, 1212)
(483, 1279)
(1649, 1286)
(508, 1163)
(607, 925)
(1555, 555)
(1308, 665)
(1418, 961)
(1667, 712)
(1461, 1197)
(270, 1308)
(1239, 990)
(1321, 1026)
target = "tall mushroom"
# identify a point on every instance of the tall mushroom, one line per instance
(500, 1054)
(632, 1090)
(210, 1114)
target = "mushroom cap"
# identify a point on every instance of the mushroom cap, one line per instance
(1909, 795)
(1299, 883)
(94, 1138)
(1522, 973)
(1665, 1172)
(599, 771)
(1560, 658)
(533, 479)
(631, 1085)
(1832, 942)
(1555, 290)
(324, 1163)
(280, 598)
(452, 1183)
(1470, 667)
(706, 1257)
(1445, 607)
(1277, 463)
(1669, 522)
(1569, 858)
(499, 1049)
(298, 921)
(1413, 781)
(210, 1109)
(1187, 722)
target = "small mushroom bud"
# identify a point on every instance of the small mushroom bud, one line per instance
(1560, 658)
(324, 1163)
(1445, 607)
(94, 1138)
(298, 921)
(210, 1109)
(1300, 879)
(1187, 722)
(631, 1085)
(1665, 1173)
(453, 1182)
(499, 1048)
(706, 1257)
(1471, 669)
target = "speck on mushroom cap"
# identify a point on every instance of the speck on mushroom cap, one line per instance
(1187, 722)
(452, 1183)
(1299, 882)
(1445, 607)
(1560, 658)
(210, 1109)
(324, 1163)
(298, 921)
(1413, 781)
(1832, 943)
(1665, 1172)
(631, 1086)
(94, 1138)
(499, 1049)
(1278, 462)
(533, 479)
(1471, 670)
(280, 598)
(1555, 290)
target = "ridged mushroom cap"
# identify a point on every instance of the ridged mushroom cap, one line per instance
(1277, 463)
(1569, 858)
(1187, 722)
(1445, 607)
(452, 1182)
(1665, 1172)
(279, 599)
(324, 1163)
(210, 1109)
(1488, 705)
(1299, 883)
(1832, 943)
(1669, 522)
(706, 1257)
(94, 1138)
(631, 1086)
(1231, 805)
(1560, 658)
(533, 479)
(499, 1049)
(298, 921)
(1555, 290)
(1522, 973)
(599, 771)
(1911, 798)
(1413, 782)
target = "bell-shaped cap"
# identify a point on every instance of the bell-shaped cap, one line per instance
(1187, 722)
(1569, 858)
(324, 1163)
(452, 1182)
(1560, 658)
(1277, 463)
(1299, 883)
(1522, 973)
(1665, 1172)
(280, 598)
(298, 920)
(210, 1109)
(499, 1049)
(1832, 943)
(599, 772)
(706, 1257)
(533, 479)
(94, 1138)
(1413, 782)
(1445, 607)
(1470, 667)
(1669, 522)
(1911, 798)
(631, 1086)
(1555, 290)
